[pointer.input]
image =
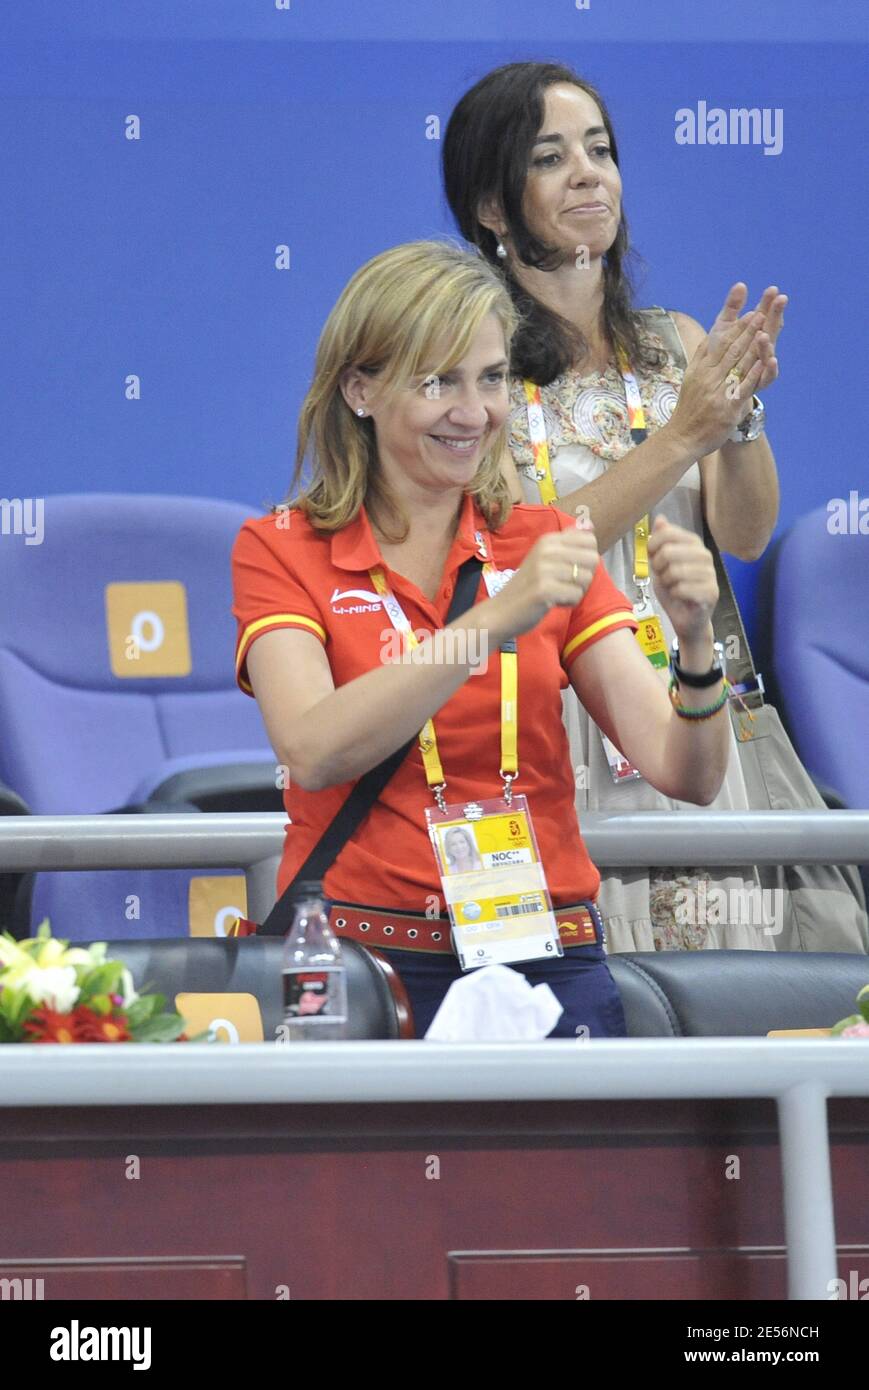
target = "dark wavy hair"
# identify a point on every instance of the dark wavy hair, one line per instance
(486, 152)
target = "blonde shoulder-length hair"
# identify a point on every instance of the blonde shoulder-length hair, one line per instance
(409, 314)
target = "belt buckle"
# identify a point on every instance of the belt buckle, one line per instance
(579, 911)
(598, 921)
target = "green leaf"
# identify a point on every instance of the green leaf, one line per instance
(100, 979)
(17, 1005)
(146, 988)
(163, 1029)
(845, 1023)
(140, 1011)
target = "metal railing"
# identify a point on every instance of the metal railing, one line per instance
(253, 841)
(799, 1076)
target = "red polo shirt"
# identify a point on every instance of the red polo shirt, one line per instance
(287, 574)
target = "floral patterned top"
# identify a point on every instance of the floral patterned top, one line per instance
(592, 411)
(587, 430)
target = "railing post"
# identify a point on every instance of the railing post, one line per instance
(261, 892)
(808, 1191)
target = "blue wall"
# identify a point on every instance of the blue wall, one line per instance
(307, 126)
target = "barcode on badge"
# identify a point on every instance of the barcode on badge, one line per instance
(517, 909)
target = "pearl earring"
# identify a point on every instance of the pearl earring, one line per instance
(501, 251)
(360, 411)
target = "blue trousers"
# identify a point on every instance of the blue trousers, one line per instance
(580, 980)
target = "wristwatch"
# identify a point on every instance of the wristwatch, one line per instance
(752, 426)
(710, 677)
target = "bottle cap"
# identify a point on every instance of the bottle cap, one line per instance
(307, 888)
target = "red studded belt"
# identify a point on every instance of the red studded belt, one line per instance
(578, 925)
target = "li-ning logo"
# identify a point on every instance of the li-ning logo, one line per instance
(371, 602)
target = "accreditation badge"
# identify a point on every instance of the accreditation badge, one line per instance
(620, 769)
(493, 882)
(650, 636)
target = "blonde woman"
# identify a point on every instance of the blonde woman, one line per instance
(404, 432)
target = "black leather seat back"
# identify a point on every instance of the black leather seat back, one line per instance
(214, 965)
(713, 994)
(648, 1012)
(665, 993)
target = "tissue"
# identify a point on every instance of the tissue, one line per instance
(495, 1004)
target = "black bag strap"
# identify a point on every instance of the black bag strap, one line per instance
(367, 789)
(727, 623)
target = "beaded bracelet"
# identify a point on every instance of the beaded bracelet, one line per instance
(705, 713)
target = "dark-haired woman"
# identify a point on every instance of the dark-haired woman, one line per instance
(620, 415)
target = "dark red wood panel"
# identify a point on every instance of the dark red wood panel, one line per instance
(368, 1202)
(171, 1278)
(741, 1275)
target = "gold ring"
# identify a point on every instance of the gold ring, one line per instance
(733, 375)
(575, 573)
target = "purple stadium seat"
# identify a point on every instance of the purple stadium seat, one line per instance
(116, 683)
(819, 587)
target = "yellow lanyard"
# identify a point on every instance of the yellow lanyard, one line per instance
(637, 426)
(543, 469)
(428, 744)
(539, 444)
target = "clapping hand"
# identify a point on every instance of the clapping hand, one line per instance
(772, 306)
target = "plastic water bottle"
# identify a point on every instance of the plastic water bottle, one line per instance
(314, 975)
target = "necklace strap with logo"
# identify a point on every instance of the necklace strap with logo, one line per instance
(639, 433)
(543, 467)
(428, 744)
(539, 443)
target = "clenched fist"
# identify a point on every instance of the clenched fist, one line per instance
(555, 573)
(684, 574)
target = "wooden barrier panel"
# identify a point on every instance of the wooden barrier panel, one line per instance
(632, 1199)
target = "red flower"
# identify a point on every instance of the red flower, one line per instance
(93, 1027)
(48, 1026)
(82, 1025)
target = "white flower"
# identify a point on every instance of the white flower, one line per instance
(54, 986)
(12, 956)
(127, 989)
